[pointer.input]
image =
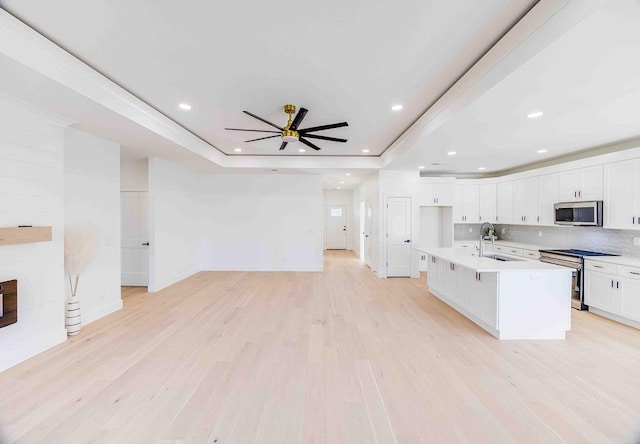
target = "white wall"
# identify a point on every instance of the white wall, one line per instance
(261, 222)
(174, 223)
(341, 197)
(92, 199)
(370, 190)
(134, 175)
(399, 184)
(31, 187)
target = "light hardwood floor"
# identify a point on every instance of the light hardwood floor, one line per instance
(339, 356)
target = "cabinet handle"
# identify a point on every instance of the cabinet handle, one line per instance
(634, 272)
(611, 283)
(580, 194)
(479, 217)
(597, 266)
(575, 194)
(617, 284)
(538, 218)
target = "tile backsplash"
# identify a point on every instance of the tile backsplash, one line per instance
(587, 238)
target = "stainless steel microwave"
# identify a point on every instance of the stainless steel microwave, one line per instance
(588, 213)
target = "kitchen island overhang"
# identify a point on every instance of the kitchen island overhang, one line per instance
(511, 300)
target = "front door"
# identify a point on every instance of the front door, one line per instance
(336, 227)
(399, 237)
(134, 228)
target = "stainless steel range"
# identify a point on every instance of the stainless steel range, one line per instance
(572, 259)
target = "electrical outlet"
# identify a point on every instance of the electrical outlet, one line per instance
(539, 233)
(470, 230)
(636, 241)
(504, 231)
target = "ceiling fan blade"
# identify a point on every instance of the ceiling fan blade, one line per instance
(323, 127)
(309, 144)
(332, 139)
(298, 119)
(284, 144)
(262, 138)
(262, 120)
(252, 130)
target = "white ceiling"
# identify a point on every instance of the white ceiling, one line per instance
(344, 62)
(341, 60)
(587, 82)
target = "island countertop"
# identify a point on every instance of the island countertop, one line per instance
(463, 257)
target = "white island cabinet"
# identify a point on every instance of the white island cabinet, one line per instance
(517, 299)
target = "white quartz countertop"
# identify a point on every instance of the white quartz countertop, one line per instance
(521, 245)
(466, 258)
(618, 260)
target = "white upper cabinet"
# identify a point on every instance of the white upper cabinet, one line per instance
(525, 201)
(466, 207)
(435, 194)
(488, 197)
(622, 195)
(547, 197)
(581, 184)
(504, 201)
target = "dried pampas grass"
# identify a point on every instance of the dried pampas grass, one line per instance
(80, 247)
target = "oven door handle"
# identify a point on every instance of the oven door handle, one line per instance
(560, 262)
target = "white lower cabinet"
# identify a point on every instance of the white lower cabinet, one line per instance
(475, 293)
(616, 292)
(600, 291)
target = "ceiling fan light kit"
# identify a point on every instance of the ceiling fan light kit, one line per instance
(290, 132)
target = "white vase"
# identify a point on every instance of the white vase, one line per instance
(73, 323)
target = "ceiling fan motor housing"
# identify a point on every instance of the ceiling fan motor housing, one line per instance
(290, 136)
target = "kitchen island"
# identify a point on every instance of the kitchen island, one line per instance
(512, 299)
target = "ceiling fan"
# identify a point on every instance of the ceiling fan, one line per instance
(290, 132)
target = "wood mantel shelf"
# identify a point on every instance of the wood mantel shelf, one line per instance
(24, 235)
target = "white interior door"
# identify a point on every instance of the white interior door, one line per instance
(134, 225)
(399, 237)
(336, 227)
(368, 219)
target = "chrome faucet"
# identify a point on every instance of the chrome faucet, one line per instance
(481, 246)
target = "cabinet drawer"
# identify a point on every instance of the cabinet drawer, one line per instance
(533, 254)
(509, 250)
(629, 272)
(602, 267)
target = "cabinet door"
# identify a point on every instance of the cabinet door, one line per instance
(488, 289)
(462, 286)
(471, 204)
(443, 194)
(458, 204)
(630, 298)
(599, 291)
(547, 197)
(432, 274)
(619, 194)
(487, 196)
(504, 203)
(450, 280)
(531, 215)
(590, 183)
(474, 295)
(520, 201)
(568, 185)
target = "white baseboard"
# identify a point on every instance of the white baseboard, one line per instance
(309, 268)
(94, 315)
(29, 348)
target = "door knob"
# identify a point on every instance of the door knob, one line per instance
(146, 244)
(407, 241)
(344, 229)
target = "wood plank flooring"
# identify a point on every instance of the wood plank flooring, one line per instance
(336, 357)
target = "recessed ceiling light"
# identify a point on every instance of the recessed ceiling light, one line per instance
(365, 151)
(348, 174)
(421, 167)
(535, 114)
(541, 151)
(337, 188)
(482, 168)
(396, 107)
(184, 106)
(342, 181)
(238, 150)
(301, 150)
(451, 153)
